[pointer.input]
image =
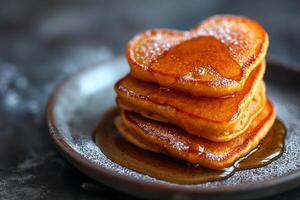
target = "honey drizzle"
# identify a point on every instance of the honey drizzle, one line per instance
(165, 168)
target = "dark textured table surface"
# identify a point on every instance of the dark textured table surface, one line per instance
(41, 42)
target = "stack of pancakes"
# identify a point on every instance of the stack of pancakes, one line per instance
(197, 95)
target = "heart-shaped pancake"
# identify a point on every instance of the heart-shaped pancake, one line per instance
(214, 59)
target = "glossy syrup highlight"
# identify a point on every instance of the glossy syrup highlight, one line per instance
(165, 168)
(200, 58)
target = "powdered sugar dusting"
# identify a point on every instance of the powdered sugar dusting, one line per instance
(224, 82)
(207, 73)
(176, 143)
(241, 37)
(155, 43)
(201, 72)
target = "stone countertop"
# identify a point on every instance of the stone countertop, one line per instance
(41, 42)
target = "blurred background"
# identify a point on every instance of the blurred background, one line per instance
(41, 42)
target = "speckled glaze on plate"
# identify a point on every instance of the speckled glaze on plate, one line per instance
(76, 106)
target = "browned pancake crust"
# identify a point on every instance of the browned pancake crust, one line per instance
(173, 141)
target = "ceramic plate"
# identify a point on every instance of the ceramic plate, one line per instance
(78, 104)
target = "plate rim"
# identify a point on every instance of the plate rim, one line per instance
(78, 161)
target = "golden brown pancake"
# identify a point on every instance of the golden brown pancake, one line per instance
(214, 59)
(216, 119)
(173, 141)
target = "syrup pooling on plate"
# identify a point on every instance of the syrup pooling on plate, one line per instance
(270, 148)
(162, 167)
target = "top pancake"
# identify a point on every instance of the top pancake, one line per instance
(213, 59)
